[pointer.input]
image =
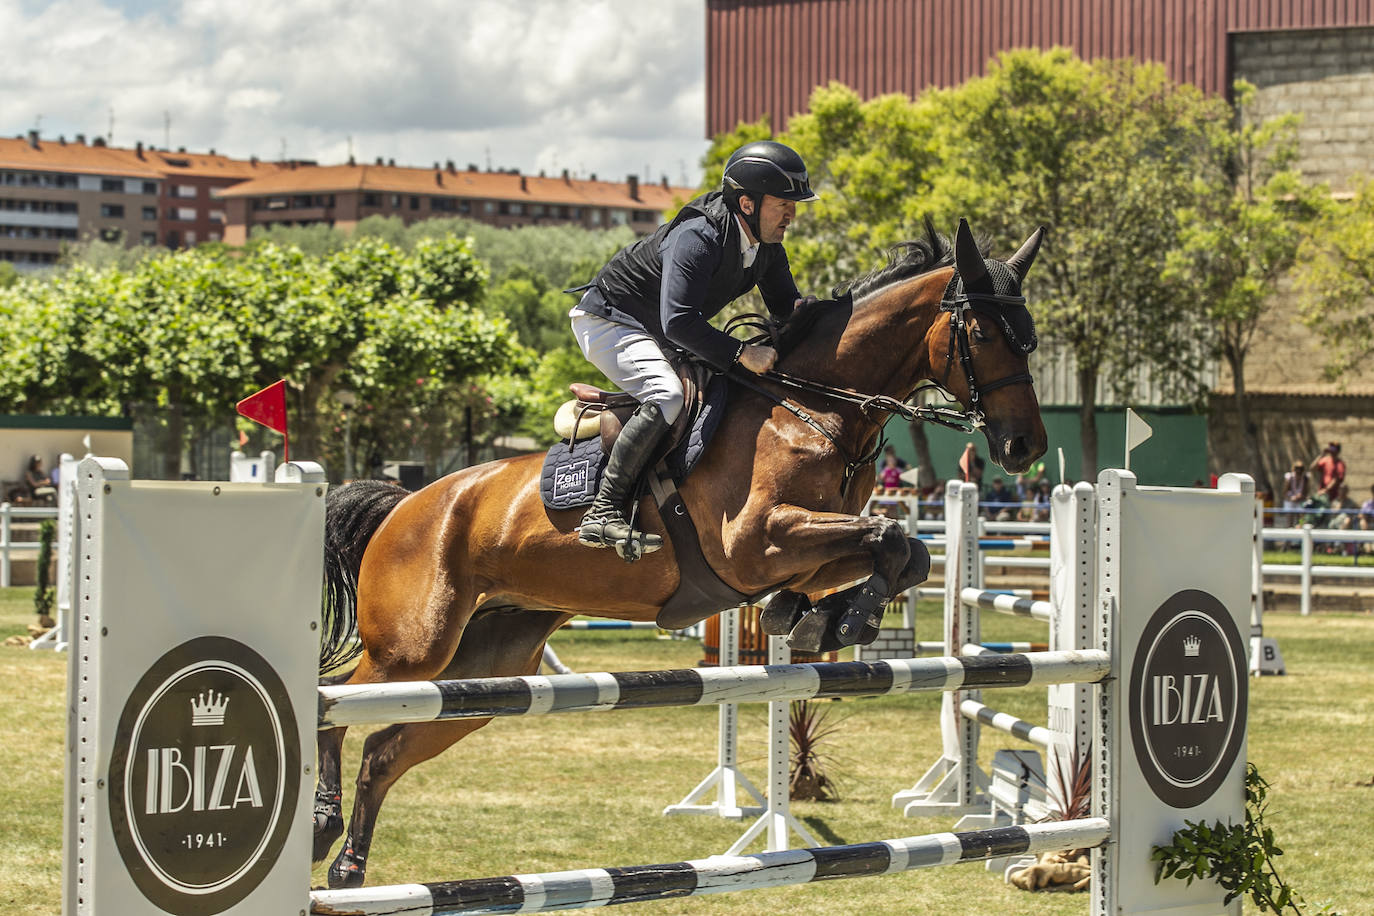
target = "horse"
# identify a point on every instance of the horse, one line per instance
(469, 576)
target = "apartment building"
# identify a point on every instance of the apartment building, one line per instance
(188, 212)
(342, 195)
(54, 193)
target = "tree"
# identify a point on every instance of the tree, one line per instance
(1242, 236)
(1105, 154)
(9, 275)
(1336, 281)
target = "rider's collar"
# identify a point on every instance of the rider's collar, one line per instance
(748, 251)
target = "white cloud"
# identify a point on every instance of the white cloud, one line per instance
(608, 86)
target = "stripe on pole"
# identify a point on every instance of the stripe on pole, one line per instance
(718, 874)
(609, 625)
(1007, 604)
(1006, 722)
(425, 701)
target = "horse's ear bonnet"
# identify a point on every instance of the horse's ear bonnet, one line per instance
(1003, 281)
(1015, 320)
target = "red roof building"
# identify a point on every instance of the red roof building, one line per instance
(342, 195)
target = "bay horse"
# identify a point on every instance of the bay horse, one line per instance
(468, 577)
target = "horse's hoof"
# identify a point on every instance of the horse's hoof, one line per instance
(348, 869)
(328, 828)
(783, 612)
(809, 633)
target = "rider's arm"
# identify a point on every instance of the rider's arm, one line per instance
(690, 259)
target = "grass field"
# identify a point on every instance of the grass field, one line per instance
(576, 791)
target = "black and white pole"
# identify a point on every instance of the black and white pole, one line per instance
(598, 887)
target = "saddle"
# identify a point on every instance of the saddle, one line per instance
(594, 410)
(572, 470)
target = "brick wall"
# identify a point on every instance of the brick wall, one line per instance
(897, 642)
(1327, 76)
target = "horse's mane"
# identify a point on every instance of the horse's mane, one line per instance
(904, 261)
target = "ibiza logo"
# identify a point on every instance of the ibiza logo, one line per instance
(208, 710)
(1188, 694)
(202, 798)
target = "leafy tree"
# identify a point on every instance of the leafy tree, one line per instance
(1242, 236)
(1336, 281)
(9, 275)
(1104, 153)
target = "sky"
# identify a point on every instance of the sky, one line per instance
(611, 87)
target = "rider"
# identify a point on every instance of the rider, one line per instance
(657, 294)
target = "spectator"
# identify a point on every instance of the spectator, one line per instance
(1343, 517)
(41, 489)
(999, 503)
(1295, 486)
(1041, 502)
(1367, 519)
(891, 474)
(890, 451)
(1329, 473)
(971, 467)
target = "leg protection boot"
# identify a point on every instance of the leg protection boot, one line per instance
(604, 524)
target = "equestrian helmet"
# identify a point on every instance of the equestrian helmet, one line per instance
(766, 167)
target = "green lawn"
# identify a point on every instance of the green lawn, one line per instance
(576, 791)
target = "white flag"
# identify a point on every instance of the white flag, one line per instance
(1137, 431)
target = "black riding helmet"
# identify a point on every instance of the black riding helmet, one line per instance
(764, 167)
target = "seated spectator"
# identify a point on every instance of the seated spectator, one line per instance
(890, 476)
(41, 489)
(1041, 500)
(1295, 486)
(1000, 502)
(1328, 469)
(1367, 519)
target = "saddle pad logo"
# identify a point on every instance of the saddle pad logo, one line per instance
(571, 479)
(204, 776)
(1188, 698)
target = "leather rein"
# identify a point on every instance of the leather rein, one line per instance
(963, 420)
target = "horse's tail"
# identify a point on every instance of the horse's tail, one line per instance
(353, 513)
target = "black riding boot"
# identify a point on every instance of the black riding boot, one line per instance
(604, 525)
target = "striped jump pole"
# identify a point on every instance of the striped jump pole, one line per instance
(598, 887)
(985, 648)
(479, 698)
(609, 625)
(1007, 604)
(1005, 722)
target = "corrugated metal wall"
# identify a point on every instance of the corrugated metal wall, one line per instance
(765, 56)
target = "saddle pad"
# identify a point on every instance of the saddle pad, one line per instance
(571, 475)
(704, 426)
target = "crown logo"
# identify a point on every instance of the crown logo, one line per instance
(1191, 646)
(208, 708)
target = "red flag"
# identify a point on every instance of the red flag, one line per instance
(964, 464)
(268, 407)
(243, 438)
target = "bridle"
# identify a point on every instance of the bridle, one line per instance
(958, 309)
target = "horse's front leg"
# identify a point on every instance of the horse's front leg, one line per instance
(874, 543)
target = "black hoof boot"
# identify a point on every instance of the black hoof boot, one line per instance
(860, 624)
(329, 825)
(348, 869)
(784, 612)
